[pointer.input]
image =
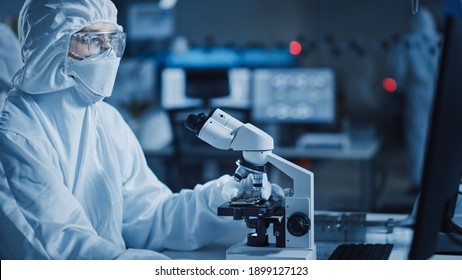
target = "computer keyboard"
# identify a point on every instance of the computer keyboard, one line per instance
(361, 251)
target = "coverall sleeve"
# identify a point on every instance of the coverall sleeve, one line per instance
(155, 218)
(49, 223)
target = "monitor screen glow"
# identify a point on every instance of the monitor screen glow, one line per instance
(294, 95)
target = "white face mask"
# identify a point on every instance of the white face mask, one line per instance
(94, 78)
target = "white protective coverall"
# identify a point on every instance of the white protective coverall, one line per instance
(10, 58)
(74, 182)
(414, 61)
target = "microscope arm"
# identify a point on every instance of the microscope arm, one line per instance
(302, 178)
(299, 210)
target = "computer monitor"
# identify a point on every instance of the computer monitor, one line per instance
(434, 228)
(183, 88)
(294, 96)
(206, 83)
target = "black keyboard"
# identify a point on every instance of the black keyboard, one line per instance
(361, 251)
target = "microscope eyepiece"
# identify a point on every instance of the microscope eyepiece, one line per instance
(195, 122)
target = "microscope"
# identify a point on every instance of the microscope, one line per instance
(291, 218)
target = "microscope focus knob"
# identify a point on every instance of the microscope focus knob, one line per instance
(298, 224)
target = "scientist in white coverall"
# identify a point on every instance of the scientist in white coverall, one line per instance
(414, 60)
(74, 182)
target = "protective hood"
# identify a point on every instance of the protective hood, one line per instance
(10, 53)
(423, 22)
(45, 29)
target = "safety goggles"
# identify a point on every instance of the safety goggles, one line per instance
(101, 44)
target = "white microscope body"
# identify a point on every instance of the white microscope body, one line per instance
(294, 229)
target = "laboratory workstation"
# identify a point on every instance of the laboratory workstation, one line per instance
(231, 130)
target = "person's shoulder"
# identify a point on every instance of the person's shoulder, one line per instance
(18, 117)
(15, 106)
(109, 111)
(103, 105)
(111, 115)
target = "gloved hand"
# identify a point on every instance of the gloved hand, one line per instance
(231, 188)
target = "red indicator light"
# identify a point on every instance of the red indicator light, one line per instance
(389, 85)
(295, 48)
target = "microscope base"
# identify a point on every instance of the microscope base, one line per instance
(241, 251)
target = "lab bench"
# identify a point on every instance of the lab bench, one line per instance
(376, 230)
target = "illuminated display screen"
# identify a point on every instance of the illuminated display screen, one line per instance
(294, 95)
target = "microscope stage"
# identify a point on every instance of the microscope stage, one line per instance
(265, 209)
